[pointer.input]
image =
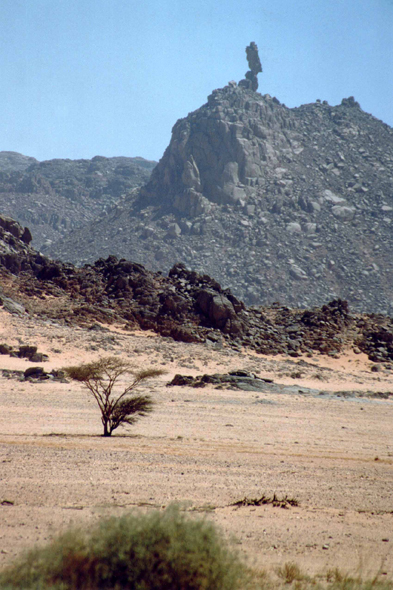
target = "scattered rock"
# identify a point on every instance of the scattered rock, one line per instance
(186, 306)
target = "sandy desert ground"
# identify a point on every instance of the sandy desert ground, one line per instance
(324, 440)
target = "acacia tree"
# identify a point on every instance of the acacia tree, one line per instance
(118, 406)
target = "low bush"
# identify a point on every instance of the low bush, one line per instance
(160, 550)
(290, 572)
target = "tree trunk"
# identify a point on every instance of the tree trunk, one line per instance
(106, 431)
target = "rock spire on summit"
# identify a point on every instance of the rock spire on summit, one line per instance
(254, 63)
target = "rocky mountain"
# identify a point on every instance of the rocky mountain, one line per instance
(287, 204)
(185, 305)
(11, 161)
(56, 196)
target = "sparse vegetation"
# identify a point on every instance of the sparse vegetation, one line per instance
(290, 572)
(160, 550)
(338, 580)
(275, 501)
(296, 375)
(101, 378)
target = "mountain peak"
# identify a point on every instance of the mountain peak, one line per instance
(280, 204)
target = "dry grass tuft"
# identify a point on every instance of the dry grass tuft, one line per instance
(290, 572)
(275, 501)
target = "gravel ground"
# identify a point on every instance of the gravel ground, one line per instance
(206, 448)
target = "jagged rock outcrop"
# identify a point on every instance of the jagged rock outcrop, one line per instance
(56, 196)
(185, 305)
(12, 227)
(223, 153)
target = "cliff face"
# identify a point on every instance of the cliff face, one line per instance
(225, 152)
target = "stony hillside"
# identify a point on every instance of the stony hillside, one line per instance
(56, 196)
(287, 204)
(12, 161)
(185, 306)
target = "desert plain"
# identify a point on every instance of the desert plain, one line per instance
(323, 438)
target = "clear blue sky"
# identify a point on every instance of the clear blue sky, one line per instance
(81, 78)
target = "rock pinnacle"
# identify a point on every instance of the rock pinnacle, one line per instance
(254, 63)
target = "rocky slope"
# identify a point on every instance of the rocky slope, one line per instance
(185, 306)
(12, 161)
(56, 196)
(294, 205)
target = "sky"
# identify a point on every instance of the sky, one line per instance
(82, 78)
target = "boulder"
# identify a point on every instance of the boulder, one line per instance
(294, 227)
(34, 372)
(220, 311)
(26, 351)
(343, 213)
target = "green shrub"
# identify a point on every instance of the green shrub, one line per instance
(163, 551)
(118, 408)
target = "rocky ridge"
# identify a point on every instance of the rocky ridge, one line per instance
(57, 196)
(185, 305)
(282, 204)
(12, 161)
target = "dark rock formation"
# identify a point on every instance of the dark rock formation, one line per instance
(186, 306)
(24, 351)
(34, 374)
(254, 63)
(12, 227)
(233, 380)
